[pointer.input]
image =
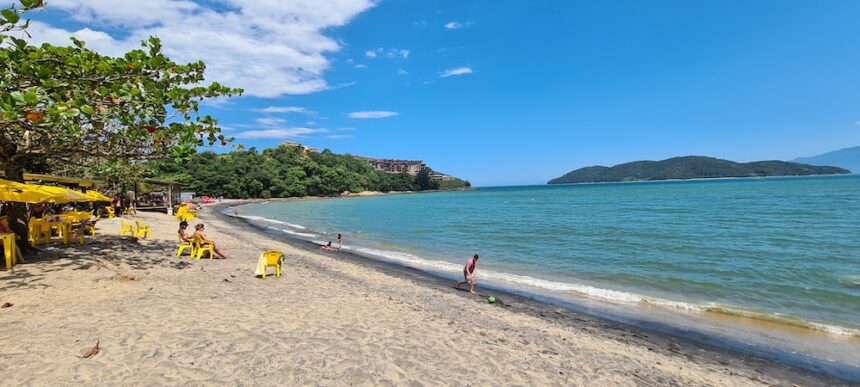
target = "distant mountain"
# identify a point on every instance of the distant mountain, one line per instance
(691, 167)
(848, 158)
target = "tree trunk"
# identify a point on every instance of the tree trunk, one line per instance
(18, 220)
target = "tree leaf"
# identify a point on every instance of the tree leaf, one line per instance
(10, 15)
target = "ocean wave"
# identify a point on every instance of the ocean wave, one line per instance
(275, 221)
(611, 295)
(594, 292)
(291, 232)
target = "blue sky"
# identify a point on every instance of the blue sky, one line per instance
(510, 92)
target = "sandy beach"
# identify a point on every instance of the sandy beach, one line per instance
(327, 320)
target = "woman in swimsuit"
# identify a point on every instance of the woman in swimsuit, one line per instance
(198, 232)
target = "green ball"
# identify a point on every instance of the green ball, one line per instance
(491, 299)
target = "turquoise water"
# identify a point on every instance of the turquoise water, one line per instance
(779, 249)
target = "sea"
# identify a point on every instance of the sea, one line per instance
(768, 261)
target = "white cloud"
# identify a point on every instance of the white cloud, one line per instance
(342, 85)
(270, 121)
(360, 66)
(390, 53)
(310, 123)
(402, 72)
(280, 133)
(457, 71)
(454, 25)
(285, 109)
(347, 129)
(339, 136)
(372, 114)
(420, 23)
(395, 52)
(267, 47)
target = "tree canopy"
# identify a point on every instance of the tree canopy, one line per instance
(75, 106)
(285, 171)
(72, 106)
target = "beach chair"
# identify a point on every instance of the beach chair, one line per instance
(110, 213)
(126, 227)
(91, 225)
(142, 230)
(185, 245)
(200, 248)
(268, 259)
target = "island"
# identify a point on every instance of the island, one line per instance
(691, 167)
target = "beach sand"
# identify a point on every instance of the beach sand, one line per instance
(160, 319)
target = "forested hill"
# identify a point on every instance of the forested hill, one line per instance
(691, 167)
(287, 172)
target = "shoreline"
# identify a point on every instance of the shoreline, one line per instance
(659, 337)
(329, 319)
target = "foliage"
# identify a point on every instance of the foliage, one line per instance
(284, 171)
(690, 167)
(72, 105)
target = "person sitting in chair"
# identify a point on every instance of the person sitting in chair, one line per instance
(183, 225)
(198, 232)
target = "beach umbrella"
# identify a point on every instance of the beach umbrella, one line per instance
(97, 196)
(11, 191)
(64, 195)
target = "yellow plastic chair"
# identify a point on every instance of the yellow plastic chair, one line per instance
(91, 225)
(185, 245)
(126, 227)
(110, 213)
(200, 248)
(8, 243)
(180, 211)
(273, 258)
(142, 230)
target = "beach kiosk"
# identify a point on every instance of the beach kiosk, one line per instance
(156, 195)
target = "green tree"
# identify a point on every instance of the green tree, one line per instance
(73, 106)
(423, 179)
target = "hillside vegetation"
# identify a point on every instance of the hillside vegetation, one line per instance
(691, 167)
(287, 172)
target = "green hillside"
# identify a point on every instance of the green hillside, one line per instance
(287, 171)
(691, 167)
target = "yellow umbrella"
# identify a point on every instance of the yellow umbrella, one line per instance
(97, 196)
(63, 195)
(11, 191)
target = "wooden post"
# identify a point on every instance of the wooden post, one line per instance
(169, 199)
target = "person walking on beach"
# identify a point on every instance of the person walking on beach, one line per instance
(470, 273)
(339, 242)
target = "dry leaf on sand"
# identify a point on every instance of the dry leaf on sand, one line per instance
(7, 305)
(92, 352)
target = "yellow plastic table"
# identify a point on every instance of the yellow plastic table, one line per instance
(64, 228)
(38, 230)
(9, 249)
